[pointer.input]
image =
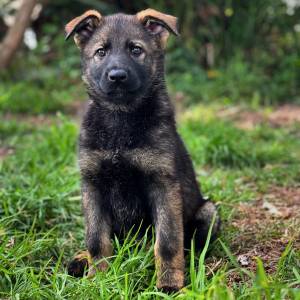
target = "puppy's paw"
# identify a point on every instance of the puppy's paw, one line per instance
(170, 289)
(79, 264)
(170, 281)
(102, 266)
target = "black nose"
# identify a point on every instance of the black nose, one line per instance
(117, 75)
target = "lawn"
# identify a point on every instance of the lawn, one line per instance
(247, 160)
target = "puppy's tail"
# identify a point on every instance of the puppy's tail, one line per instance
(79, 264)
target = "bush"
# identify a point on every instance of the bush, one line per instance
(240, 81)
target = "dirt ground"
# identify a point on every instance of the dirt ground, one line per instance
(284, 115)
(266, 226)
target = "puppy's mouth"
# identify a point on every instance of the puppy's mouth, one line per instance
(117, 93)
(120, 91)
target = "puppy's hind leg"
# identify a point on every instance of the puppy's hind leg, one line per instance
(199, 226)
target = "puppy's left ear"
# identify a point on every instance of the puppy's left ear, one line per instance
(83, 27)
(157, 23)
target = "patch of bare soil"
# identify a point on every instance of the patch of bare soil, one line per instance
(285, 115)
(266, 226)
(5, 151)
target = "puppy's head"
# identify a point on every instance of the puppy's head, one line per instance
(122, 55)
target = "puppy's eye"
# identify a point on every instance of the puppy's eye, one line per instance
(101, 52)
(136, 50)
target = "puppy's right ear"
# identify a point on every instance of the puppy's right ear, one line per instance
(83, 26)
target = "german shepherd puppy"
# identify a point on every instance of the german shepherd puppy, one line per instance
(134, 166)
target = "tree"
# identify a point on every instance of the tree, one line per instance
(13, 38)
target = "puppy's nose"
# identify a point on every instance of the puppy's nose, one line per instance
(117, 75)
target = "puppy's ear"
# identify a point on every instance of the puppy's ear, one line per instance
(157, 23)
(83, 26)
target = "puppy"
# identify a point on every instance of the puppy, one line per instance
(134, 166)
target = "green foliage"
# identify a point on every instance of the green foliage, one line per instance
(219, 143)
(256, 51)
(255, 46)
(25, 97)
(47, 81)
(239, 81)
(39, 173)
(13, 130)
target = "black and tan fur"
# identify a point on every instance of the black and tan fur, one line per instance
(134, 165)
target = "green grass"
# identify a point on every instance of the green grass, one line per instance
(38, 97)
(41, 225)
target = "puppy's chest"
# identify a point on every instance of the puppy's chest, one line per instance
(116, 152)
(123, 179)
(108, 156)
(121, 135)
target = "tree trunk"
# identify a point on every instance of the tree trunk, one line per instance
(13, 38)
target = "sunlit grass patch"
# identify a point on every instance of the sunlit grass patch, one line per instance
(42, 175)
(218, 143)
(25, 97)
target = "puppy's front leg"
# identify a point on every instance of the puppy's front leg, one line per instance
(98, 226)
(168, 220)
